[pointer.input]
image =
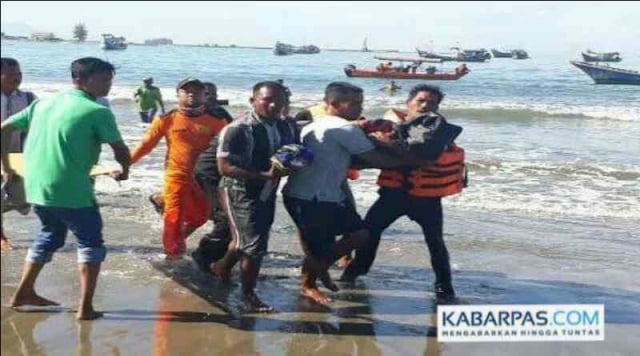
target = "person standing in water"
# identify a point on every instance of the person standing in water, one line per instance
(188, 131)
(66, 133)
(148, 98)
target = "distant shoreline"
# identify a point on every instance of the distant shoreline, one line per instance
(207, 45)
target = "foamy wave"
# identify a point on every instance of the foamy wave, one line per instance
(378, 102)
(515, 110)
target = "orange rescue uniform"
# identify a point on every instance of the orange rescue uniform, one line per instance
(185, 205)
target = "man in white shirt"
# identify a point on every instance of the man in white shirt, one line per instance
(315, 196)
(13, 101)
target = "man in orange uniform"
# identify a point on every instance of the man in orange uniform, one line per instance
(188, 131)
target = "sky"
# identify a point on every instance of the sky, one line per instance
(537, 26)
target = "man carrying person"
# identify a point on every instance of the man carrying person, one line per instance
(13, 100)
(249, 184)
(65, 136)
(416, 193)
(188, 131)
(315, 197)
(148, 98)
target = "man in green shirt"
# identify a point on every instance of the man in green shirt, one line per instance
(148, 97)
(65, 136)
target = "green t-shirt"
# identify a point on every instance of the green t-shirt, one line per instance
(148, 98)
(65, 136)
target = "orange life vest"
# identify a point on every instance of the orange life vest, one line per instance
(447, 176)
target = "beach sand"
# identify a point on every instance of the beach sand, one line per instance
(153, 307)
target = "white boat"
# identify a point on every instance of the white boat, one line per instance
(111, 42)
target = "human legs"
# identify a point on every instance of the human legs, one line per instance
(86, 224)
(427, 212)
(213, 245)
(50, 238)
(389, 206)
(250, 220)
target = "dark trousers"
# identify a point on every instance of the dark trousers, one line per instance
(391, 205)
(213, 246)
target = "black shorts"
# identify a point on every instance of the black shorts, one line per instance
(320, 223)
(250, 220)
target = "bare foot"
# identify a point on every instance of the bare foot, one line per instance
(326, 280)
(31, 299)
(253, 304)
(315, 295)
(6, 246)
(344, 261)
(88, 314)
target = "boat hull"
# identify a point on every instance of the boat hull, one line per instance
(608, 75)
(364, 73)
(499, 54)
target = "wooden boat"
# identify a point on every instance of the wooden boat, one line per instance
(603, 74)
(352, 72)
(591, 56)
(459, 55)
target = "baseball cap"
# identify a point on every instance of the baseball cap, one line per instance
(189, 80)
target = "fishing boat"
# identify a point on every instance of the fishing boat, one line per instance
(591, 56)
(604, 74)
(111, 42)
(434, 55)
(459, 55)
(501, 54)
(519, 54)
(512, 53)
(429, 73)
(284, 49)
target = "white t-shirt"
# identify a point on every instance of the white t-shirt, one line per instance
(333, 140)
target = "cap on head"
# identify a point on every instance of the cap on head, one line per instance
(147, 79)
(189, 80)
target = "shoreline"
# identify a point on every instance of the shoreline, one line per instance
(160, 308)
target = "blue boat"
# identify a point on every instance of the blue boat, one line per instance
(603, 74)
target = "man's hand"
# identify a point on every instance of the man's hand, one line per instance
(383, 139)
(276, 172)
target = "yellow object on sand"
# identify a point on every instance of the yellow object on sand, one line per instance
(17, 163)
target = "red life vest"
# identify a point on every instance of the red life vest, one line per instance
(447, 176)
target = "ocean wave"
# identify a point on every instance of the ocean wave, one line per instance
(560, 170)
(377, 103)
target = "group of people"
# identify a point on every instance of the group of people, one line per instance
(388, 67)
(220, 168)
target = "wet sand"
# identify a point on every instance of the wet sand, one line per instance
(168, 309)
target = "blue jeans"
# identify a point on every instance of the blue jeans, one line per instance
(85, 223)
(147, 116)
